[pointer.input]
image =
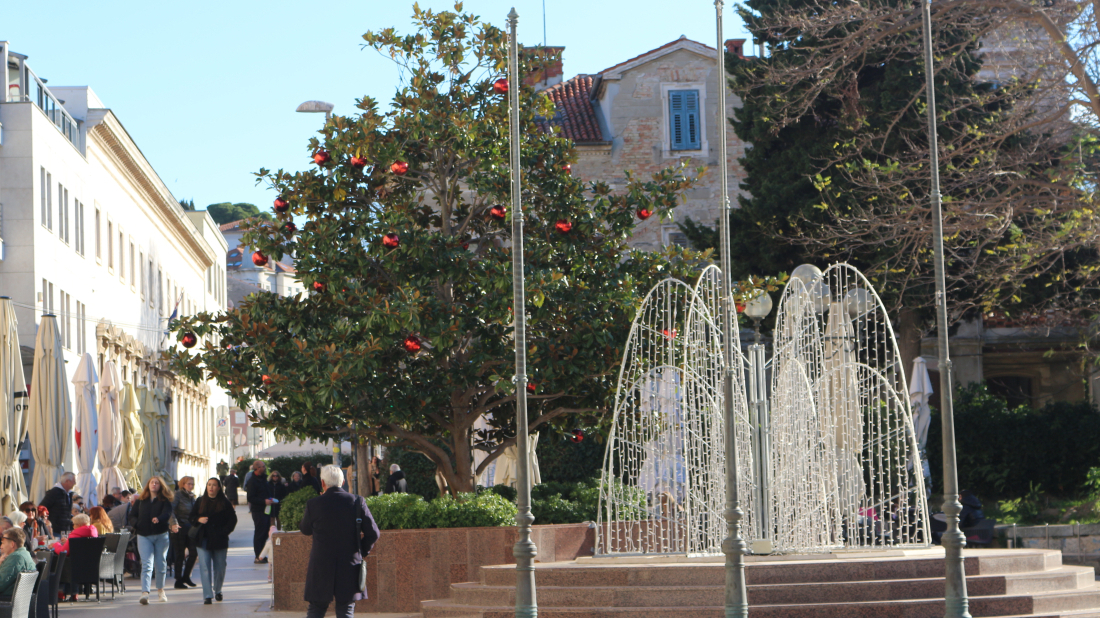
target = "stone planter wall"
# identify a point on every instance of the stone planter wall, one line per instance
(1080, 544)
(409, 566)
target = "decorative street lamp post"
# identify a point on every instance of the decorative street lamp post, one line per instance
(734, 547)
(953, 540)
(524, 550)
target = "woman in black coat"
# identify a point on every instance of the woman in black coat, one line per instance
(214, 518)
(338, 548)
(279, 491)
(149, 518)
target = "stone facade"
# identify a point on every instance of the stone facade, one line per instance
(628, 104)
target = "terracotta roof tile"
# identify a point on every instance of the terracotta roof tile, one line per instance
(232, 225)
(575, 114)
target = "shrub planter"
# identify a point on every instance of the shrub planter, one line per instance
(410, 566)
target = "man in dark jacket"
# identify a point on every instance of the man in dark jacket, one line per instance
(396, 484)
(308, 480)
(59, 502)
(259, 496)
(340, 544)
(232, 483)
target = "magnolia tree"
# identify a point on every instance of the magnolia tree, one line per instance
(405, 336)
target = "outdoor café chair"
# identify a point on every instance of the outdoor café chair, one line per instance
(86, 559)
(20, 604)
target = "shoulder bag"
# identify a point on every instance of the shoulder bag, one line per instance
(363, 562)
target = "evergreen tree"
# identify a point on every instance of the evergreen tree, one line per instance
(406, 336)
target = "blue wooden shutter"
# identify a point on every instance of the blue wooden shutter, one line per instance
(683, 114)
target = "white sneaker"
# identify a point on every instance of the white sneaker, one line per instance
(144, 600)
(163, 598)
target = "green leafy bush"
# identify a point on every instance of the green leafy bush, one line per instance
(294, 506)
(411, 511)
(1004, 453)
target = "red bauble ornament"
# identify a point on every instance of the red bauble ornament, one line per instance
(465, 245)
(740, 307)
(399, 167)
(531, 388)
(412, 344)
(644, 214)
(318, 286)
(391, 240)
(259, 259)
(500, 86)
(321, 157)
(267, 379)
(281, 205)
(189, 340)
(669, 334)
(498, 212)
(568, 168)
(576, 436)
(358, 162)
(290, 228)
(563, 226)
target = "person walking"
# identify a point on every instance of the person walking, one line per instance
(232, 484)
(258, 494)
(396, 484)
(214, 518)
(279, 491)
(59, 502)
(295, 482)
(343, 532)
(308, 479)
(182, 506)
(149, 518)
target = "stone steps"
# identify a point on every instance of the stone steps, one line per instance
(1001, 583)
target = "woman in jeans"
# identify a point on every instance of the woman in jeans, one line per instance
(216, 518)
(149, 519)
(182, 505)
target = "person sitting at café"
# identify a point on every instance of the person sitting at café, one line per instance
(99, 519)
(35, 526)
(16, 519)
(14, 559)
(82, 528)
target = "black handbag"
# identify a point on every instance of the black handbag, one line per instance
(363, 563)
(193, 533)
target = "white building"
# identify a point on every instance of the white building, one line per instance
(90, 233)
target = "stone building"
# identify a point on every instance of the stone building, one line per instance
(645, 114)
(92, 235)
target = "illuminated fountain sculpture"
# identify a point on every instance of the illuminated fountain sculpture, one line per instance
(836, 455)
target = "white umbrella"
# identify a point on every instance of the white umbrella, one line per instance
(51, 423)
(508, 464)
(920, 393)
(110, 431)
(13, 398)
(147, 409)
(133, 440)
(87, 427)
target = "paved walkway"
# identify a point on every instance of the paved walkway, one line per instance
(246, 591)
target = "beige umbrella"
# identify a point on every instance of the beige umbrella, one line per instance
(110, 431)
(147, 409)
(13, 398)
(50, 416)
(508, 464)
(133, 440)
(164, 451)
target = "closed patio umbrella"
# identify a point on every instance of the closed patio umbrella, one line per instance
(133, 440)
(147, 411)
(920, 394)
(110, 431)
(163, 452)
(87, 428)
(508, 464)
(51, 424)
(13, 399)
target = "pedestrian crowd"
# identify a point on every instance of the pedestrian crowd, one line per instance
(179, 528)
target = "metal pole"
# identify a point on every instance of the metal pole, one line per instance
(956, 604)
(737, 599)
(524, 550)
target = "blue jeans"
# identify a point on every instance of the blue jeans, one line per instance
(152, 548)
(212, 570)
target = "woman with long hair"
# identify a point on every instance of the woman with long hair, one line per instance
(215, 518)
(100, 520)
(149, 518)
(34, 527)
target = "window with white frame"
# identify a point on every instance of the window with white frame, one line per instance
(79, 208)
(62, 212)
(98, 234)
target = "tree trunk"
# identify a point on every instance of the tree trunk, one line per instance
(908, 331)
(363, 476)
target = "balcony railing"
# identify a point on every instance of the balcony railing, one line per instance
(41, 96)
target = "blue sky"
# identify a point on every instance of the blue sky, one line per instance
(208, 89)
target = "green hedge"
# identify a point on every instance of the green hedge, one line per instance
(411, 511)
(1003, 453)
(294, 506)
(288, 465)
